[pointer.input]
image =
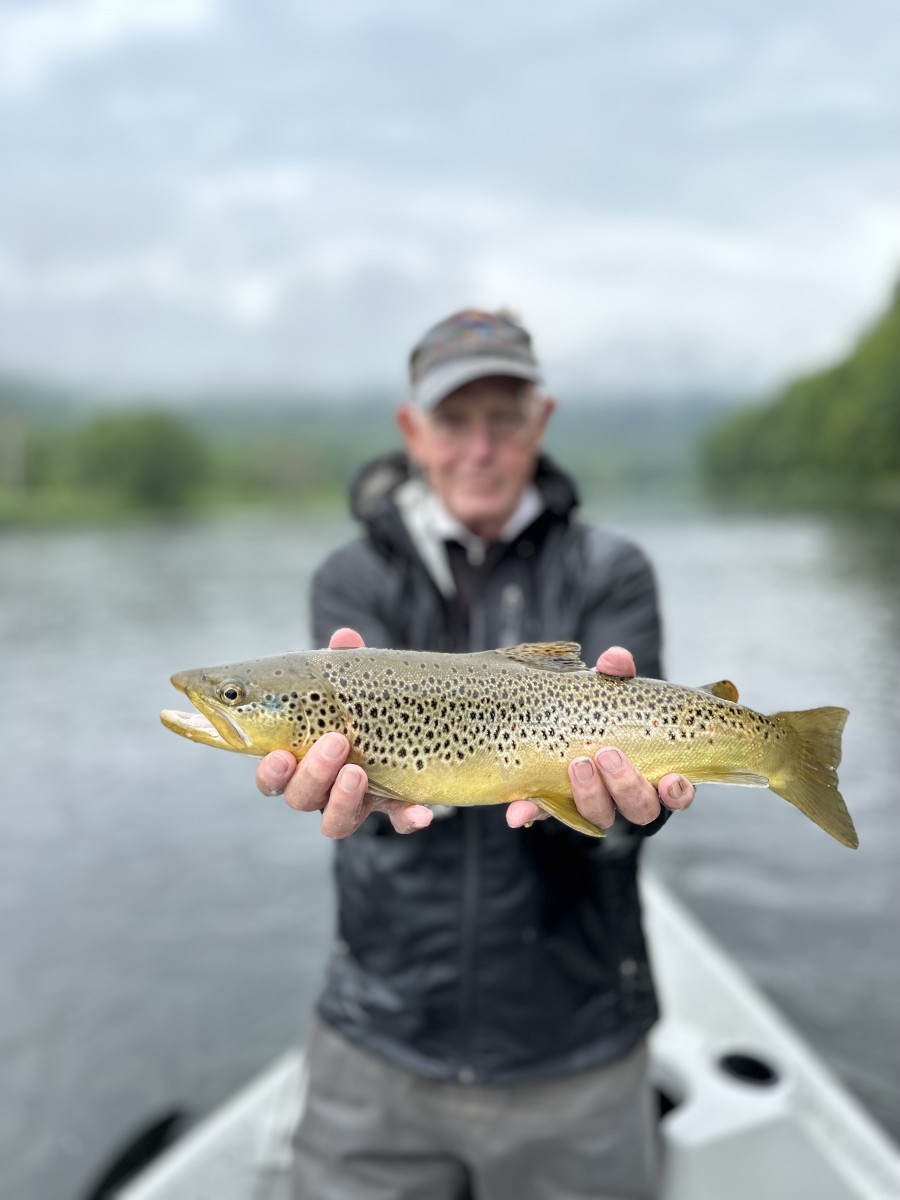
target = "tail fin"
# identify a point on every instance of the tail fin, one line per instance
(809, 780)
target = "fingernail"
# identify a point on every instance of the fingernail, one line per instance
(610, 760)
(676, 789)
(279, 770)
(348, 781)
(583, 770)
(332, 746)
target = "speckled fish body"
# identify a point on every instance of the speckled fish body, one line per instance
(502, 725)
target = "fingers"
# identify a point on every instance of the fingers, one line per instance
(523, 812)
(616, 661)
(274, 771)
(611, 779)
(407, 818)
(633, 795)
(324, 781)
(608, 784)
(309, 786)
(349, 805)
(345, 639)
(592, 798)
(675, 791)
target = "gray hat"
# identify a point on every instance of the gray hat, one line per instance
(469, 345)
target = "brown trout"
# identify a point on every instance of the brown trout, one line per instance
(502, 725)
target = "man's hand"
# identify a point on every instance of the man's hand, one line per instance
(607, 783)
(322, 781)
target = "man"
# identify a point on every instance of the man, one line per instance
(483, 1024)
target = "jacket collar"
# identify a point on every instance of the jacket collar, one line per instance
(391, 497)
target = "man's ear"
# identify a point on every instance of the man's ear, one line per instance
(408, 423)
(549, 408)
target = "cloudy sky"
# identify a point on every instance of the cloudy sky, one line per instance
(199, 194)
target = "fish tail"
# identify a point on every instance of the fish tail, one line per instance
(809, 779)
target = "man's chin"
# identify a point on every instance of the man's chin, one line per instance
(484, 520)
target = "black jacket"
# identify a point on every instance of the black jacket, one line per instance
(469, 950)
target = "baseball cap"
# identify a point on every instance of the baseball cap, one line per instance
(469, 345)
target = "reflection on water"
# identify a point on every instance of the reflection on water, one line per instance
(164, 925)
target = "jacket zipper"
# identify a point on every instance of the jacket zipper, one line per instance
(470, 891)
(471, 887)
(512, 603)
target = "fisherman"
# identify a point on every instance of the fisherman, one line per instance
(483, 1026)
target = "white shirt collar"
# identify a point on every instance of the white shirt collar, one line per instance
(445, 527)
(430, 526)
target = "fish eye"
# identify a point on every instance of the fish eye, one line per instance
(231, 693)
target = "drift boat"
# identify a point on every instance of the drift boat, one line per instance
(747, 1108)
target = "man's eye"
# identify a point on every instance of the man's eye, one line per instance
(450, 421)
(504, 423)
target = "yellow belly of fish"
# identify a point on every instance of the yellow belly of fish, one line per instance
(485, 779)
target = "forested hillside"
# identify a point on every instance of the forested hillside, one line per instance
(828, 438)
(67, 457)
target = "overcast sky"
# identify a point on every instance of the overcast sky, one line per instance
(198, 193)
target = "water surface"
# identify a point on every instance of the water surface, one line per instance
(164, 925)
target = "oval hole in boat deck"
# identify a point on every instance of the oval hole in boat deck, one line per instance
(747, 1068)
(665, 1102)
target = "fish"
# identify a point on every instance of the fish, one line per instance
(502, 725)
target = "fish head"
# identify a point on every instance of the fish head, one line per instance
(257, 706)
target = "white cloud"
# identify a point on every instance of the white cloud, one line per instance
(38, 39)
(652, 302)
(243, 295)
(277, 185)
(623, 301)
(705, 199)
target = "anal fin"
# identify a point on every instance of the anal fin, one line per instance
(720, 775)
(563, 808)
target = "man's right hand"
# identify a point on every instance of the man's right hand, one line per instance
(324, 781)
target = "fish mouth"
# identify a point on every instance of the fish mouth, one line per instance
(210, 725)
(193, 726)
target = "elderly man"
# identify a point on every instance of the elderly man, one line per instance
(482, 1030)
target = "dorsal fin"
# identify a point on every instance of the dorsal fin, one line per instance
(723, 688)
(546, 656)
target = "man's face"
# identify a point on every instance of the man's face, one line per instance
(478, 448)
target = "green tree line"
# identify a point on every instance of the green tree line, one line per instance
(832, 437)
(145, 459)
(61, 460)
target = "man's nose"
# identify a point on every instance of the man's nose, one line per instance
(480, 439)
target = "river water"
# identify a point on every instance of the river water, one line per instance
(164, 926)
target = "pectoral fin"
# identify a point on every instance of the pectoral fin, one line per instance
(563, 808)
(385, 793)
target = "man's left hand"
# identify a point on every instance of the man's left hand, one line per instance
(608, 784)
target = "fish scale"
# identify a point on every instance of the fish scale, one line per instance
(500, 725)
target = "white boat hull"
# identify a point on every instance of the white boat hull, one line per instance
(775, 1125)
